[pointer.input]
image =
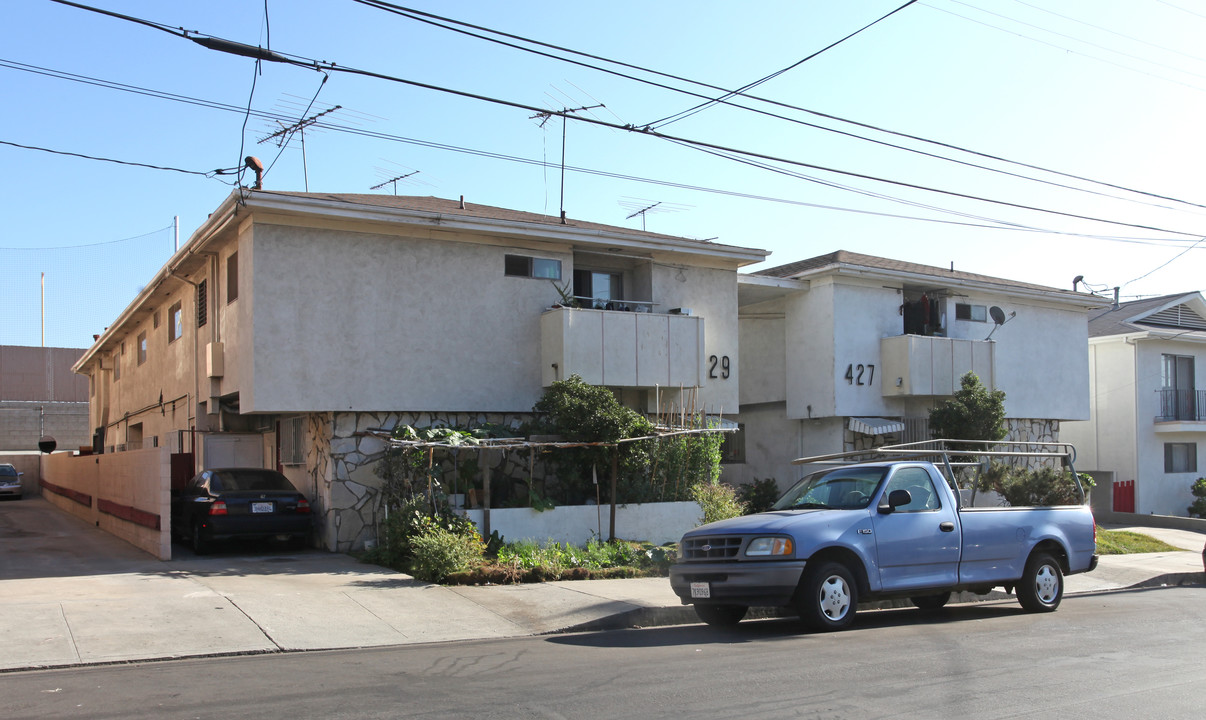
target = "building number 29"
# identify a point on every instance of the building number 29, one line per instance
(860, 374)
(722, 362)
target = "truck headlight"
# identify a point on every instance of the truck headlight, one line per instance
(767, 546)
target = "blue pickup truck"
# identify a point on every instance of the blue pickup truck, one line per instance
(878, 530)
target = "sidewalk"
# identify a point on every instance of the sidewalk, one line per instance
(102, 601)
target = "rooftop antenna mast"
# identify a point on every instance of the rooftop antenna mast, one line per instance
(299, 127)
(641, 207)
(564, 113)
(394, 180)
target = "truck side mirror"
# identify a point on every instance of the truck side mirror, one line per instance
(896, 498)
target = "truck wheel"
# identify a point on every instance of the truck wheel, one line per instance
(931, 602)
(828, 597)
(720, 615)
(1042, 584)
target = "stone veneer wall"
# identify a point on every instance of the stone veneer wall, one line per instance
(342, 461)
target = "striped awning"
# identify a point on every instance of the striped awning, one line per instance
(875, 426)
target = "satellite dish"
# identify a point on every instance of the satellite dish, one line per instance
(997, 314)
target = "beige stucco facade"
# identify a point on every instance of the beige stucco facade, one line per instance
(333, 314)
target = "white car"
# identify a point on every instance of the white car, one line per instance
(10, 481)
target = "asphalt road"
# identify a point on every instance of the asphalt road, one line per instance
(1113, 655)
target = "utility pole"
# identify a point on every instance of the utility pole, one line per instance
(299, 127)
(564, 119)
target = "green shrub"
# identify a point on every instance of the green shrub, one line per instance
(437, 552)
(1198, 508)
(1022, 487)
(718, 501)
(759, 495)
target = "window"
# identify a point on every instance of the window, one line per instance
(1178, 396)
(232, 277)
(732, 447)
(921, 489)
(293, 441)
(603, 287)
(175, 323)
(142, 347)
(524, 266)
(1180, 457)
(202, 304)
(975, 313)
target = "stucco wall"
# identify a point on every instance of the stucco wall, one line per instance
(811, 351)
(763, 344)
(653, 522)
(125, 494)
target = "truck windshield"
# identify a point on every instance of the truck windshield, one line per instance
(840, 489)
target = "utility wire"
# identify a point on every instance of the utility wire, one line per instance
(1174, 257)
(698, 108)
(99, 244)
(209, 174)
(431, 19)
(222, 45)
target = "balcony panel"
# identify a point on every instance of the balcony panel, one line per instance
(916, 365)
(621, 349)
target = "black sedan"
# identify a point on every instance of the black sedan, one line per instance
(252, 503)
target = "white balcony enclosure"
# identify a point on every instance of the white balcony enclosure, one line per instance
(916, 365)
(622, 349)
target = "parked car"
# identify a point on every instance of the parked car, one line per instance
(878, 530)
(10, 481)
(244, 503)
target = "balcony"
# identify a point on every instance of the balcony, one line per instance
(917, 365)
(620, 348)
(1181, 410)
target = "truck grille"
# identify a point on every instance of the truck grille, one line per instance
(711, 548)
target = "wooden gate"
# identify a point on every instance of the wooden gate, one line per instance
(1124, 496)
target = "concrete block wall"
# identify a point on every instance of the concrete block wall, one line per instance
(22, 424)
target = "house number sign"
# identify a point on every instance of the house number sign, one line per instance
(721, 363)
(860, 374)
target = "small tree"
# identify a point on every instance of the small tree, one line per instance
(974, 413)
(1198, 509)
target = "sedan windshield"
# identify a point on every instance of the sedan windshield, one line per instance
(840, 489)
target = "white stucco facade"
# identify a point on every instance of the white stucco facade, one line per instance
(1147, 423)
(836, 347)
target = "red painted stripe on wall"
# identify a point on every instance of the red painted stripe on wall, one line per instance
(129, 514)
(82, 498)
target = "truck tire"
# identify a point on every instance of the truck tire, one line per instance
(931, 602)
(828, 597)
(720, 615)
(1042, 584)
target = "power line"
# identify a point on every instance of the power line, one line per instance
(209, 174)
(699, 108)
(246, 50)
(430, 19)
(99, 244)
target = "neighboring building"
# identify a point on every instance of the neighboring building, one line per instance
(40, 396)
(846, 351)
(1147, 421)
(289, 323)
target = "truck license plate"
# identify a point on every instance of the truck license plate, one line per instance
(261, 507)
(701, 590)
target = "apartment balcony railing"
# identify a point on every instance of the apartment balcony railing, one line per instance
(916, 365)
(1181, 405)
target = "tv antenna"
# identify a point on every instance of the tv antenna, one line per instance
(564, 113)
(394, 181)
(639, 206)
(283, 135)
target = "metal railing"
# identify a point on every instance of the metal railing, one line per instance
(1178, 404)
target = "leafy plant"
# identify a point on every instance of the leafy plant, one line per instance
(759, 495)
(718, 501)
(1198, 508)
(437, 552)
(1023, 487)
(974, 413)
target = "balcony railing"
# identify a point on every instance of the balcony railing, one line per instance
(1181, 405)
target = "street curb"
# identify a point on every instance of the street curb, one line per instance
(667, 616)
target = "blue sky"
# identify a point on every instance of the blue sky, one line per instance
(1111, 91)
